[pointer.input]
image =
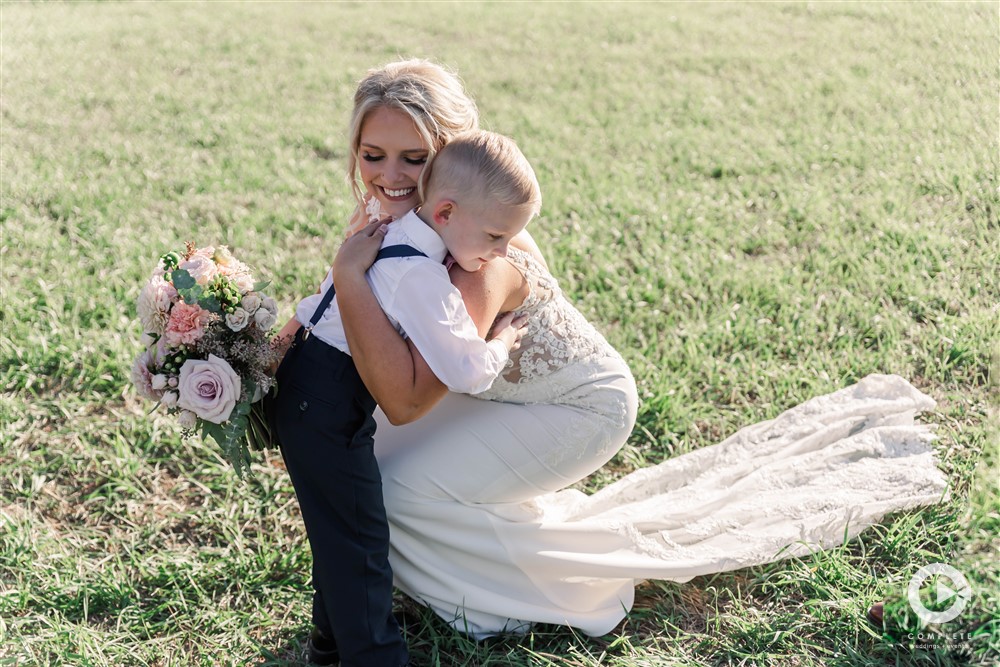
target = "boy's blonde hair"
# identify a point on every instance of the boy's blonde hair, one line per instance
(485, 167)
(428, 93)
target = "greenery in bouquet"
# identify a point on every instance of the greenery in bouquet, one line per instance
(208, 348)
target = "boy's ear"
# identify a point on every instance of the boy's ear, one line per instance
(443, 211)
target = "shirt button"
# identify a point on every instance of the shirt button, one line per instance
(303, 405)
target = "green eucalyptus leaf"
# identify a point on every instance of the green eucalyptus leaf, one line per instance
(182, 279)
(210, 303)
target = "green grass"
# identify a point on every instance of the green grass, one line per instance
(756, 202)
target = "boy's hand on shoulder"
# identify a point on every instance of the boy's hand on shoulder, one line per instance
(357, 253)
(510, 328)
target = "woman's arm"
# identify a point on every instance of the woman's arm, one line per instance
(392, 368)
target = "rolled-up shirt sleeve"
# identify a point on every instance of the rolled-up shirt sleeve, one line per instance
(430, 310)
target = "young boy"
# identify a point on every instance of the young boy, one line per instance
(478, 192)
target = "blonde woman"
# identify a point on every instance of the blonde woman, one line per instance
(482, 527)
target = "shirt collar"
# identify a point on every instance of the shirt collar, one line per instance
(424, 238)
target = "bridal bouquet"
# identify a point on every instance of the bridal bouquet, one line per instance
(208, 347)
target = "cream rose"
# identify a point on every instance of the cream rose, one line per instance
(208, 388)
(238, 319)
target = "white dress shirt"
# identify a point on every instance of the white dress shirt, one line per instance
(422, 304)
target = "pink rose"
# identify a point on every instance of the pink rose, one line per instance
(201, 268)
(186, 324)
(208, 388)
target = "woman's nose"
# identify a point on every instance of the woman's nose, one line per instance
(501, 251)
(392, 172)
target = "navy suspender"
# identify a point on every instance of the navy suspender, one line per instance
(401, 250)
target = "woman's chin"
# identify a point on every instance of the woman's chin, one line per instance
(397, 208)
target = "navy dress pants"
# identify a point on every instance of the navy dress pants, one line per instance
(323, 416)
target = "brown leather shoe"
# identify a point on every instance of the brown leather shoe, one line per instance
(876, 615)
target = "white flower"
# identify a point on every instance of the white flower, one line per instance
(265, 319)
(244, 281)
(147, 340)
(169, 399)
(251, 302)
(154, 304)
(187, 419)
(270, 304)
(238, 319)
(374, 209)
(172, 382)
(209, 388)
(201, 268)
(159, 381)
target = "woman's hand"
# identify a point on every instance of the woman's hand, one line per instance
(510, 328)
(357, 253)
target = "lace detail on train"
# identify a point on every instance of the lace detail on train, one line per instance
(491, 553)
(560, 350)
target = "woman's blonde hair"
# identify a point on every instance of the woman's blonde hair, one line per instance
(485, 168)
(428, 93)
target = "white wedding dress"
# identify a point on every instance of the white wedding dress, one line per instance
(484, 531)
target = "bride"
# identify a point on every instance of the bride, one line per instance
(483, 527)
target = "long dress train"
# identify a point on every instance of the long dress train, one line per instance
(484, 531)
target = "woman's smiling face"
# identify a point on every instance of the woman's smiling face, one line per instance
(391, 156)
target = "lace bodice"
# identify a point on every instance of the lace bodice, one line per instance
(559, 349)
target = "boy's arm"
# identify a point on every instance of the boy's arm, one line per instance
(432, 313)
(392, 368)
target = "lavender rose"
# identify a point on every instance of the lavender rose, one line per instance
(251, 302)
(209, 388)
(264, 318)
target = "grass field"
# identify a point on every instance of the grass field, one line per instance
(756, 202)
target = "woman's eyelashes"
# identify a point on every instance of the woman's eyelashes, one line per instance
(368, 157)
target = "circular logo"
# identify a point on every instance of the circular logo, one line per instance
(959, 593)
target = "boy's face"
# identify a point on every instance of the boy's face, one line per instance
(476, 235)
(392, 155)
